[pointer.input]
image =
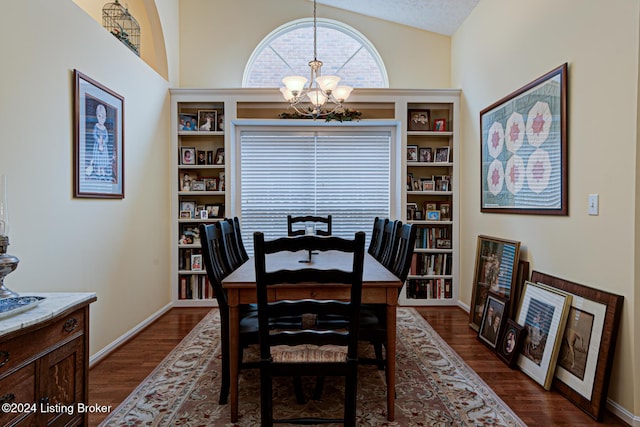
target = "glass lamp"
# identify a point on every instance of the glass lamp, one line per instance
(8, 263)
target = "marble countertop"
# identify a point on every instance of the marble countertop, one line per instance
(53, 304)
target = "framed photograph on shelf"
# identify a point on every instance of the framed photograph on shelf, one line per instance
(440, 125)
(197, 185)
(219, 156)
(215, 210)
(442, 184)
(510, 342)
(445, 211)
(187, 122)
(221, 185)
(442, 155)
(98, 140)
(524, 149)
(433, 215)
(495, 271)
(412, 153)
(185, 181)
(418, 120)
(188, 155)
(210, 157)
(588, 344)
(425, 154)
(207, 120)
(196, 262)
(189, 206)
(494, 315)
(543, 312)
(412, 208)
(443, 243)
(210, 184)
(428, 185)
(185, 214)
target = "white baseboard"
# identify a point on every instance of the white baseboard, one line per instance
(463, 306)
(104, 352)
(623, 414)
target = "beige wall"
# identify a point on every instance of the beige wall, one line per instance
(117, 248)
(217, 37)
(502, 46)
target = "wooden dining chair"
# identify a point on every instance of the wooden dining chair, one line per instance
(310, 351)
(217, 268)
(390, 245)
(244, 256)
(375, 244)
(373, 319)
(230, 243)
(291, 220)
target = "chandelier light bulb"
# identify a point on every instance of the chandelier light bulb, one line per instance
(328, 83)
(341, 93)
(317, 97)
(294, 84)
(287, 94)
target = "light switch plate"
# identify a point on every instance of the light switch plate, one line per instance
(593, 204)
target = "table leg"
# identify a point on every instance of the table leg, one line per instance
(391, 361)
(234, 368)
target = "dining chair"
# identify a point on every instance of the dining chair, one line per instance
(375, 244)
(217, 268)
(373, 318)
(230, 243)
(311, 351)
(244, 256)
(390, 246)
(291, 220)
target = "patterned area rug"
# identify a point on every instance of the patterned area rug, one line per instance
(434, 387)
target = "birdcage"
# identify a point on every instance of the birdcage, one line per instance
(119, 22)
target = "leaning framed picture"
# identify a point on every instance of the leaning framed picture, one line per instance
(543, 312)
(495, 271)
(207, 120)
(588, 344)
(510, 342)
(98, 140)
(523, 164)
(188, 155)
(494, 316)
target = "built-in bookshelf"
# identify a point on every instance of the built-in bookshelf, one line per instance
(199, 165)
(431, 202)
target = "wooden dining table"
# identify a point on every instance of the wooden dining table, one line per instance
(379, 286)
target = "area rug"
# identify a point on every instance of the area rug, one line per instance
(434, 387)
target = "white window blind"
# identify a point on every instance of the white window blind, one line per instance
(345, 174)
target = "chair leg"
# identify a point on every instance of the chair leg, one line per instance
(225, 382)
(317, 392)
(297, 387)
(266, 397)
(350, 395)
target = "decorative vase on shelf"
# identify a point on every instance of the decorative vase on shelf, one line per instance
(8, 263)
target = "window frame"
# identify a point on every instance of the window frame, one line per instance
(324, 23)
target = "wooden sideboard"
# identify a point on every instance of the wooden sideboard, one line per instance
(44, 362)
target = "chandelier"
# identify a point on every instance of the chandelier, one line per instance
(322, 96)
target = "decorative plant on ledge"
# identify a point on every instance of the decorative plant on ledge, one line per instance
(346, 115)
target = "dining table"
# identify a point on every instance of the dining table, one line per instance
(379, 286)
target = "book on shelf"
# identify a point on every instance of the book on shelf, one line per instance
(429, 288)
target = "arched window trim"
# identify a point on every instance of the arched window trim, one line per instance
(321, 22)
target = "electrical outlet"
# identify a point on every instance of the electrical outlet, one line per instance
(593, 204)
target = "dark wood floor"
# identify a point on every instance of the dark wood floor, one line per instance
(111, 381)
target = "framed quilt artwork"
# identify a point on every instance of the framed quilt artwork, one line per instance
(524, 149)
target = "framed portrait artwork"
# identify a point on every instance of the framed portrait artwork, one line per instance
(219, 160)
(588, 344)
(188, 122)
(189, 206)
(543, 313)
(98, 140)
(188, 155)
(524, 149)
(442, 155)
(495, 313)
(426, 154)
(418, 120)
(196, 262)
(412, 153)
(510, 342)
(495, 271)
(207, 120)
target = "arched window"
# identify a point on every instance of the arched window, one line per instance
(344, 51)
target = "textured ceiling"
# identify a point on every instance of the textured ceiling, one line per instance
(438, 16)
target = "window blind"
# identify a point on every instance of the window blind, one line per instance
(343, 174)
